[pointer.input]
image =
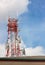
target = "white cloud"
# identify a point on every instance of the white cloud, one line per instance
(11, 7)
(2, 50)
(37, 51)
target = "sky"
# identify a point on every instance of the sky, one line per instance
(31, 17)
(34, 24)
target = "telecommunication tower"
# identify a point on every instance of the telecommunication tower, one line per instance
(13, 48)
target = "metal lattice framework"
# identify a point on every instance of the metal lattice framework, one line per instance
(12, 47)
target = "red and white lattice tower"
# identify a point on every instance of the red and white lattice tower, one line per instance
(13, 42)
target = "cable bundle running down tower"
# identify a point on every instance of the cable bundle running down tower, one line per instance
(13, 48)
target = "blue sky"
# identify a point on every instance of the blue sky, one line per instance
(32, 25)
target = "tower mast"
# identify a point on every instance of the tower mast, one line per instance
(14, 41)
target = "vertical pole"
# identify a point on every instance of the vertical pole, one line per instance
(7, 53)
(15, 45)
